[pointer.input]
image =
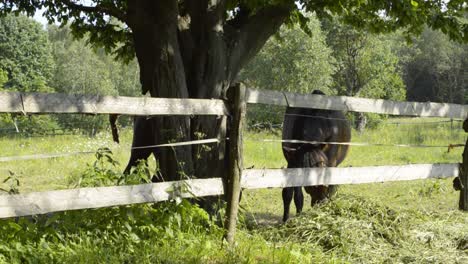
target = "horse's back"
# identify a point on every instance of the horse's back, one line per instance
(318, 125)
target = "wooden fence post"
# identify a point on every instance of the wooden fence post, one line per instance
(463, 203)
(238, 105)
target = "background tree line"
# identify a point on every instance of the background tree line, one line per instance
(38, 59)
(329, 56)
(340, 60)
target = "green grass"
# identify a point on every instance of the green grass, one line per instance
(57, 173)
(392, 222)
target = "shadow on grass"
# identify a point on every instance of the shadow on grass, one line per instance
(254, 219)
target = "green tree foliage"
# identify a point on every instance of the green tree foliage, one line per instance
(435, 68)
(366, 64)
(79, 69)
(380, 68)
(3, 78)
(377, 16)
(74, 67)
(25, 54)
(26, 64)
(294, 61)
(4, 119)
(125, 77)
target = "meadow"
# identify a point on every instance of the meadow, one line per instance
(393, 222)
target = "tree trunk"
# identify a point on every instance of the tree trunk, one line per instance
(162, 75)
(191, 51)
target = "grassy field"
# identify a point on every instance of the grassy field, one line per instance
(393, 222)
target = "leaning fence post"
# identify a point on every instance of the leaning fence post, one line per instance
(463, 203)
(236, 100)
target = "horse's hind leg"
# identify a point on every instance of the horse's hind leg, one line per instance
(135, 156)
(298, 199)
(287, 198)
(143, 137)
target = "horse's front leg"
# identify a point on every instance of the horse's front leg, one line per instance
(287, 198)
(298, 199)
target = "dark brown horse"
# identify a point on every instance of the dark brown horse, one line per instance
(313, 125)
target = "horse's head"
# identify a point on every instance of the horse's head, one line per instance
(318, 92)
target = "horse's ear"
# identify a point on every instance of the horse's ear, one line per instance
(318, 92)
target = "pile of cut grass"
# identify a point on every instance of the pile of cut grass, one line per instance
(356, 230)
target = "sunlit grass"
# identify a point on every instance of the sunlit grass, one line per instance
(55, 173)
(431, 226)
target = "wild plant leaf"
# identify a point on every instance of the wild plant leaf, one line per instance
(14, 226)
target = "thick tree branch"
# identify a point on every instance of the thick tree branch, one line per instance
(187, 43)
(109, 10)
(250, 37)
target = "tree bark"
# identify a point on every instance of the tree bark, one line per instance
(162, 74)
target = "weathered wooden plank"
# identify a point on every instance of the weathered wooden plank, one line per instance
(354, 104)
(64, 200)
(10, 102)
(89, 104)
(266, 178)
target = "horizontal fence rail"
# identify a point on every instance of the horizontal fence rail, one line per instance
(354, 104)
(37, 103)
(88, 198)
(266, 178)
(42, 103)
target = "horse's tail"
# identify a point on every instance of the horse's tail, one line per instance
(115, 132)
(316, 158)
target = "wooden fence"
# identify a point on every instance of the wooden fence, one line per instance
(53, 201)
(40, 103)
(83, 198)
